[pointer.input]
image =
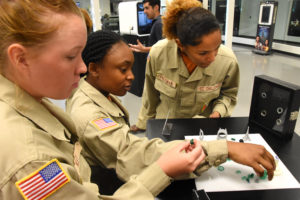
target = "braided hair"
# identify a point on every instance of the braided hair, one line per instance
(98, 44)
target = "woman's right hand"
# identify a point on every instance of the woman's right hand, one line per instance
(181, 159)
(135, 129)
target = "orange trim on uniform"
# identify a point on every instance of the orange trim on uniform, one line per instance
(188, 63)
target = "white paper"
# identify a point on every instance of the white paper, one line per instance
(214, 180)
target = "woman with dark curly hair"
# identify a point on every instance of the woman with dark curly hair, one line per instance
(190, 73)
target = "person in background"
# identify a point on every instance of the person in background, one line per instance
(190, 73)
(88, 21)
(258, 44)
(266, 46)
(41, 42)
(103, 123)
(152, 10)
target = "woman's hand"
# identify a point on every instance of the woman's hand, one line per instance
(139, 47)
(215, 114)
(253, 155)
(135, 129)
(183, 158)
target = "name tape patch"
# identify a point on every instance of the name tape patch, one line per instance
(42, 183)
(166, 80)
(209, 88)
(103, 123)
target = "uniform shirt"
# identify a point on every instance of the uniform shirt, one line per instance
(170, 88)
(115, 147)
(156, 31)
(33, 133)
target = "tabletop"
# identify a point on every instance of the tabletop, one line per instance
(287, 150)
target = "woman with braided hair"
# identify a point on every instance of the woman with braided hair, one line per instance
(103, 123)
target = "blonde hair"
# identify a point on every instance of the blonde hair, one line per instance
(173, 13)
(27, 22)
(88, 21)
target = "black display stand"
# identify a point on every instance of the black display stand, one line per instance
(139, 65)
(275, 106)
(265, 27)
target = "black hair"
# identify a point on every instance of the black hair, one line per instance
(98, 44)
(195, 23)
(153, 2)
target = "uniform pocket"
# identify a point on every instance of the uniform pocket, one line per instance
(208, 95)
(165, 89)
(188, 98)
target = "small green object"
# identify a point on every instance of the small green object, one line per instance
(221, 168)
(265, 175)
(246, 179)
(238, 171)
(192, 141)
(233, 139)
(251, 175)
(228, 159)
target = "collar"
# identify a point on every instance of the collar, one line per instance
(44, 114)
(188, 63)
(156, 18)
(102, 101)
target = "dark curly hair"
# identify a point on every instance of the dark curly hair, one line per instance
(188, 21)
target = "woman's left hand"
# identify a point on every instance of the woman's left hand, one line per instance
(215, 114)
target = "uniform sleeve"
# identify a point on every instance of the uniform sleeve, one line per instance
(116, 148)
(225, 103)
(150, 98)
(130, 155)
(71, 190)
(216, 154)
(137, 187)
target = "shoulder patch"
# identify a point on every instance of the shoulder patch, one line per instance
(43, 182)
(103, 123)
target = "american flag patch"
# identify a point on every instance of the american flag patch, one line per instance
(43, 182)
(104, 123)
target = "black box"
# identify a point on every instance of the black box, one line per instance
(275, 106)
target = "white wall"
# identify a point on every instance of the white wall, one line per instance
(84, 4)
(105, 7)
(249, 17)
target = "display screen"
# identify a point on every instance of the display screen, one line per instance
(144, 24)
(265, 14)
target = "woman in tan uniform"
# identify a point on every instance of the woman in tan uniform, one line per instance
(102, 122)
(190, 73)
(41, 42)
